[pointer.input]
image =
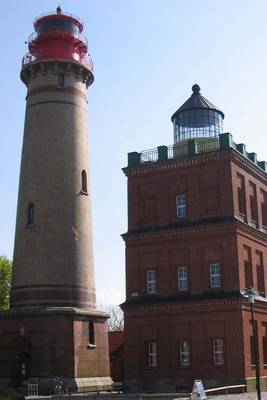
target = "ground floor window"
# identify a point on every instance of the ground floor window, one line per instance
(152, 354)
(184, 353)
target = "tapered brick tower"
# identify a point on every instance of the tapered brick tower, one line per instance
(53, 327)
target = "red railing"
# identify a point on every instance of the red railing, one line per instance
(61, 32)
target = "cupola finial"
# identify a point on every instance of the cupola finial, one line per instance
(196, 88)
(59, 10)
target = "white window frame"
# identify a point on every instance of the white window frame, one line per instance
(151, 282)
(181, 206)
(218, 352)
(182, 278)
(184, 353)
(152, 354)
(215, 275)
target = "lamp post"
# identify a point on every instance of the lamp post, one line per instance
(251, 293)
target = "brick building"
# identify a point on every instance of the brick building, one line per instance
(196, 239)
(116, 355)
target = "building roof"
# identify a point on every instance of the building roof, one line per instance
(197, 101)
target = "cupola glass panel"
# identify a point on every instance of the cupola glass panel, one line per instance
(197, 118)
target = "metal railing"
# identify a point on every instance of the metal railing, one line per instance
(57, 30)
(28, 58)
(86, 60)
(149, 156)
(208, 144)
(181, 149)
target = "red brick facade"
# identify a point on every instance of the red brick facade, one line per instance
(201, 330)
(116, 355)
(53, 343)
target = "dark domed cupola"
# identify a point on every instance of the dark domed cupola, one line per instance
(197, 118)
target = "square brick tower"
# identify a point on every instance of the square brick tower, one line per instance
(53, 328)
(196, 239)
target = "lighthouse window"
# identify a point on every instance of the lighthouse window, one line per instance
(30, 216)
(91, 334)
(84, 182)
(61, 80)
(58, 25)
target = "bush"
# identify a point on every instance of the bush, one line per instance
(10, 394)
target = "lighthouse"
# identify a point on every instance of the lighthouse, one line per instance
(53, 328)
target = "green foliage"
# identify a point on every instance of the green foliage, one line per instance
(5, 282)
(10, 394)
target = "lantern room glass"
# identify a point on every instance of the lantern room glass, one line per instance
(197, 123)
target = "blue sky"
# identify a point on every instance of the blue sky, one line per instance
(147, 54)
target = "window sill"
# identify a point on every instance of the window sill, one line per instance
(254, 224)
(29, 226)
(242, 217)
(91, 346)
(61, 87)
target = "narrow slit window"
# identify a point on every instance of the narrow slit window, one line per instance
(61, 80)
(84, 182)
(30, 215)
(91, 334)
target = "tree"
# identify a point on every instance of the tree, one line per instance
(116, 319)
(5, 282)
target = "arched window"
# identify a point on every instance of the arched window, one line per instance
(30, 215)
(91, 334)
(84, 182)
(61, 80)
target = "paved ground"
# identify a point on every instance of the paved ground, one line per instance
(241, 396)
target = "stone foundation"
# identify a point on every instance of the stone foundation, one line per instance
(44, 343)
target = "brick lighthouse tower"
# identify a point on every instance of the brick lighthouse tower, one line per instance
(53, 327)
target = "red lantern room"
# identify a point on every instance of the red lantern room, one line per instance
(58, 35)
